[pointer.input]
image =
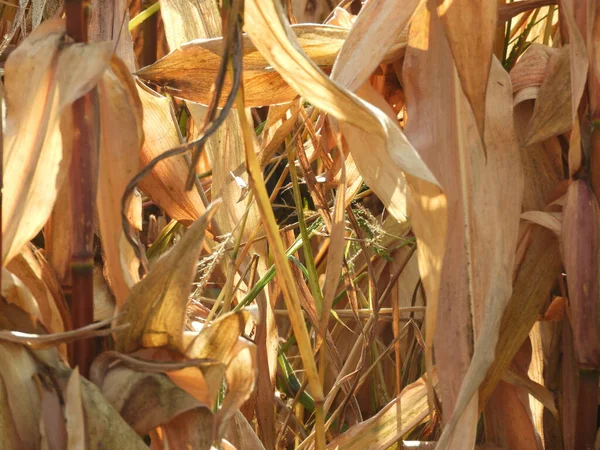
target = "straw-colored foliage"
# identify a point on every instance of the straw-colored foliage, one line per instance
(308, 224)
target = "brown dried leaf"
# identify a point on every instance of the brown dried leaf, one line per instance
(121, 139)
(165, 184)
(580, 251)
(156, 306)
(470, 29)
(189, 71)
(16, 293)
(8, 429)
(537, 273)
(42, 78)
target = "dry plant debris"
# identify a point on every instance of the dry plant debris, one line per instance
(277, 224)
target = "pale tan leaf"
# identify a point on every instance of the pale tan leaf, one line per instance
(42, 78)
(29, 270)
(74, 413)
(482, 280)
(22, 396)
(165, 184)
(120, 142)
(386, 427)
(156, 306)
(470, 29)
(272, 36)
(578, 56)
(105, 428)
(552, 221)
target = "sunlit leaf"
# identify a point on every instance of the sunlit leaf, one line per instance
(42, 78)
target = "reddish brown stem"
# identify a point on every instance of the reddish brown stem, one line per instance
(587, 410)
(83, 190)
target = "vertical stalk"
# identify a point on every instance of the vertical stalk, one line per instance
(82, 183)
(1, 179)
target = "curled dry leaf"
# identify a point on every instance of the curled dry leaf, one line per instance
(530, 70)
(120, 141)
(43, 76)
(552, 115)
(189, 71)
(156, 306)
(165, 184)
